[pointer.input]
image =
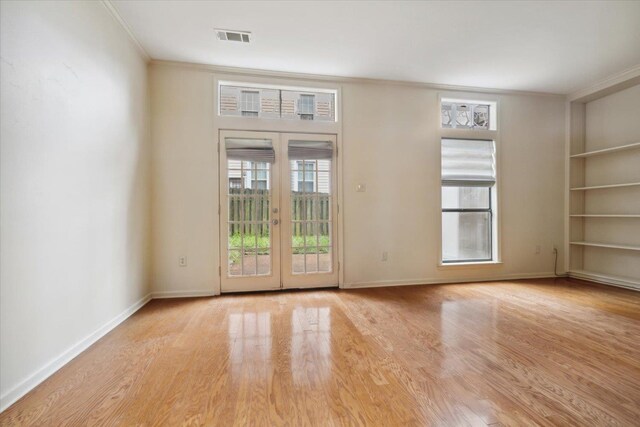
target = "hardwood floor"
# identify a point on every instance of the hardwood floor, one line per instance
(536, 352)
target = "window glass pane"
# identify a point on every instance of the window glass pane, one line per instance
(464, 115)
(481, 116)
(465, 198)
(276, 103)
(466, 236)
(446, 114)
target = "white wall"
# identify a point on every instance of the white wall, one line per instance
(390, 141)
(74, 182)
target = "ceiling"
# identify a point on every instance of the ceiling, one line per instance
(555, 47)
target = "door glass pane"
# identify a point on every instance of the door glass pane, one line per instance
(249, 262)
(249, 220)
(235, 266)
(466, 236)
(311, 200)
(311, 262)
(324, 259)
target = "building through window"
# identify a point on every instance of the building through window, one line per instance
(306, 176)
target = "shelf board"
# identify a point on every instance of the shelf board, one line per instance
(625, 282)
(607, 245)
(605, 216)
(607, 150)
(598, 187)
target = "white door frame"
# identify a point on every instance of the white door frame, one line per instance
(306, 280)
(273, 280)
(281, 276)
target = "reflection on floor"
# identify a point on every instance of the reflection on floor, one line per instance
(548, 352)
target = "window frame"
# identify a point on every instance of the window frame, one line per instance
(493, 133)
(315, 91)
(244, 103)
(302, 171)
(488, 210)
(306, 115)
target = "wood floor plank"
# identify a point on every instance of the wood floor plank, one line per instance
(533, 352)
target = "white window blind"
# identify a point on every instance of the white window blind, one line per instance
(250, 150)
(310, 150)
(468, 163)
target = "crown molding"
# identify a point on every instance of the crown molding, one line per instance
(116, 15)
(252, 72)
(608, 85)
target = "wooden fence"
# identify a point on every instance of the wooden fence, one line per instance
(256, 208)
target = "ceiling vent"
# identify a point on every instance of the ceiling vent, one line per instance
(233, 36)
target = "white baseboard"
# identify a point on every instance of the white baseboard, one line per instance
(432, 281)
(605, 280)
(181, 294)
(11, 396)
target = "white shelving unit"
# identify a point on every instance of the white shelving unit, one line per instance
(597, 212)
(607, 150)
(605, 216)
(607, 245)
(603, 187)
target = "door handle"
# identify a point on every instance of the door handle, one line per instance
(275, 222)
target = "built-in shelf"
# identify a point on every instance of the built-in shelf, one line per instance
(607, 150)
(598, 187)
(605, 216)
(607, 245)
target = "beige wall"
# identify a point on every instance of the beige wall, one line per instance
(75, 182)
(389, 141)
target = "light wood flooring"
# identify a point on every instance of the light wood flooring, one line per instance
(535, 352)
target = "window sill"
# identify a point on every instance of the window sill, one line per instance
(480, 264)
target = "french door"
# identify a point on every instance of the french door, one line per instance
(278, 217)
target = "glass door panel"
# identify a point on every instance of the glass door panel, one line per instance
(263, 246)
(308, 190)
(249, 206)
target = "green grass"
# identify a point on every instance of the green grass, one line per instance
(263, 244)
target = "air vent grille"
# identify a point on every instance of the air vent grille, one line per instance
(233, 36)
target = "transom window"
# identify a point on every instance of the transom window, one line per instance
(277, 103)
(465, 115)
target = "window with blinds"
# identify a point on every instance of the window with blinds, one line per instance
(468, 189)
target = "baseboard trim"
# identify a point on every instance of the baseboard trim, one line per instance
(12, 396)
(181, 294)
(431, 281)
(605, 280)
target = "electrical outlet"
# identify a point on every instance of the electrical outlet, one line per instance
(555, 247)
(182, 261)
(537, 249)
(385, 256)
